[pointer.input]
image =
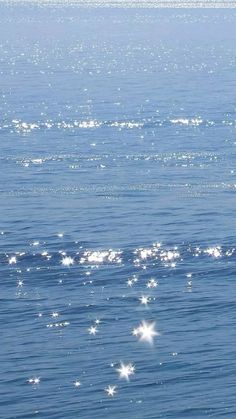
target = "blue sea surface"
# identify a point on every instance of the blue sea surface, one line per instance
(117, 204)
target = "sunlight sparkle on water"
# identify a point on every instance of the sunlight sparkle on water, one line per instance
(35, 380)
(97, 257)
(144, 300)
(126, 370)
(12, 260)
(93, 330)
(20, 283)
(110, 390)
(67, 261)
(146, 332)
(152, 283)
(215, 252)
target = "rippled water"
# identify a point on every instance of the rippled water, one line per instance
(146, 4)
(117, 233)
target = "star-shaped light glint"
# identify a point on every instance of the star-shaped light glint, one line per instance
(145, 332)
(152, 283)
(93, 330)
(130, 283)
(77, 383)
(110, 390)
(126, 370)
(144, 300)
(136, 331)
(67, 261)
(20, 283)
(12, 260)
(35, 380)
(55, 314)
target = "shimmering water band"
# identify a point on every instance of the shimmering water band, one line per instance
(132, 3)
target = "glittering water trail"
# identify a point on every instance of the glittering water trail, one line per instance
(82, 306)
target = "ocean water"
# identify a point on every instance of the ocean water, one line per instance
(117, 228)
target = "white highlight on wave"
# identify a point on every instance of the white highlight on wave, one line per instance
(127, 124)
(111, 390)
(67, 261)
(12, 260)
(215, 252)
(146, 332)
(144, 253)
(187, 121)
(26, 127)
(169, 256)
(61, 324)
(126, 370)
(110, 256)
(34, 381)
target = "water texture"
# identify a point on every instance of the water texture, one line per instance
(146, 4)
(117, 228)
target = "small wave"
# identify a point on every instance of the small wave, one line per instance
(168, 256)
(24, 127)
